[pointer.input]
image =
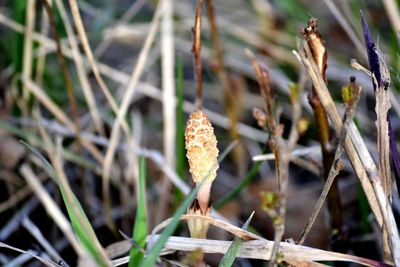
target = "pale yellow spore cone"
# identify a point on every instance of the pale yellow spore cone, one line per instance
(201, 146)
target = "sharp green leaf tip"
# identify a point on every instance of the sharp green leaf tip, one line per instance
(234, 248)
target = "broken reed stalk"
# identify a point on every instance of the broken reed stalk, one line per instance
(359, 156)
(232, 94)
(319, 54)
(337, 165)
(381, 95)
(66, 76)
(381, 82)
(196, 49)
(382, 126)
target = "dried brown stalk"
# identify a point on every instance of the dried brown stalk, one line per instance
(66, 76)
(255, 247)
(319, 54)
(336, 165)
(196, 52)
(382, 107)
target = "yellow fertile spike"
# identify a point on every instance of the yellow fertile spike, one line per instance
(201, 146)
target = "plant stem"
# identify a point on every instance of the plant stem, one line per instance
(197, 57)
(319, 54)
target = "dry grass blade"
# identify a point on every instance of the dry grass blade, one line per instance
(216, 222)
(85, 43)
(129, 14)
(261, 249)
(130, 90)
(123, 78)
(168, 99)
(256, 247)
(108, 160)
(64, 68)
(83, 79)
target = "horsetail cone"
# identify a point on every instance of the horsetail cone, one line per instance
(201, 146)
(202, 154)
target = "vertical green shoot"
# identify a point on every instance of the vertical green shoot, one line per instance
(140, 227)
(180, 129)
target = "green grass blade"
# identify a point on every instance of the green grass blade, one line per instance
(80, 230)
(234, 248)
(79, 221)
(140, 228)
(151, 258)
(180, 120)
(180, 131)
